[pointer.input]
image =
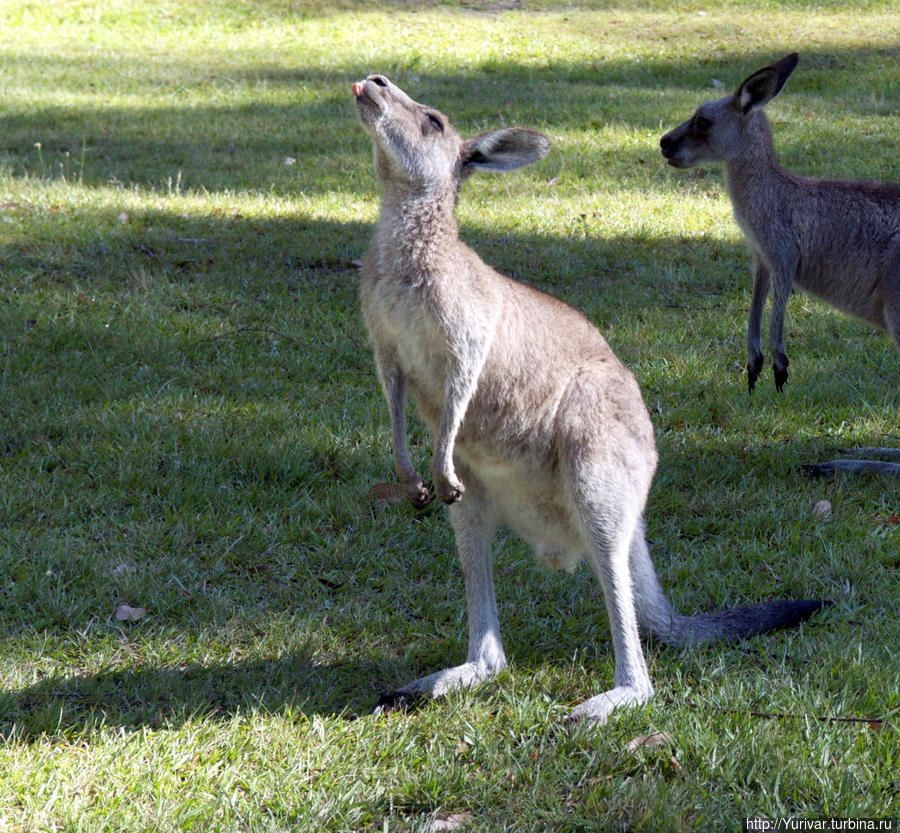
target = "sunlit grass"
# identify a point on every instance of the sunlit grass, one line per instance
(190, 422)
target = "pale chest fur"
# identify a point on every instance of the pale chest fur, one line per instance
(422, 315)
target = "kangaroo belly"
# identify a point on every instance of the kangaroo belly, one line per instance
(530, 501)
(853, 286)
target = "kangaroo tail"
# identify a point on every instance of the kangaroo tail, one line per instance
(736, 623)
(658, 618)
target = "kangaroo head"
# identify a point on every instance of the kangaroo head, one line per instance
(725, 129)
(417, 148)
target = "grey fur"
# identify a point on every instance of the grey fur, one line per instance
(537, 425)
(839, 240)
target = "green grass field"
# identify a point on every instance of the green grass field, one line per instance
(190, 424)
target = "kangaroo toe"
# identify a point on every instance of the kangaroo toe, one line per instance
(399, 701)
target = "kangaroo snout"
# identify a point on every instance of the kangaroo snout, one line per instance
(671, 144)
(667, 146)
(363, 89)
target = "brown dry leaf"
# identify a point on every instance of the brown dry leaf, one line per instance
(127, 613)
(384, 494)
(648, 741)
(453, 821)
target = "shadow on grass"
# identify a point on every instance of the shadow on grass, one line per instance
(158, 697)
(244, 146)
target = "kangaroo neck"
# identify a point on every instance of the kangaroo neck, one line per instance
(417, 225)
(755, 170)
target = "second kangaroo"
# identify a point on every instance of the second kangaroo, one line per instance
(536, 423)
(839, 240)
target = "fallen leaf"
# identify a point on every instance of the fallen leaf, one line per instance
(454, 821)
(822, 509)
(122, 217)
(384, 494)
(127, 613)
(648, 741)
(9, 206)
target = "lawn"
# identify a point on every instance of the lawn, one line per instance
(203, 591)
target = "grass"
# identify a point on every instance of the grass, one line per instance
(190, 423)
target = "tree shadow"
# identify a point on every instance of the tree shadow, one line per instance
(166, 146)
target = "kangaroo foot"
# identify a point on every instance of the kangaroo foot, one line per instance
(780, 366)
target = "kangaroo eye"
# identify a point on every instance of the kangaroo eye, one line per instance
(702, 124)
(435, 122)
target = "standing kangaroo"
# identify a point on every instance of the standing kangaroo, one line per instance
(536, 424)
(838, 240)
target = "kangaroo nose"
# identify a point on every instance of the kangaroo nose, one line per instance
(380, 80)
(667, 145)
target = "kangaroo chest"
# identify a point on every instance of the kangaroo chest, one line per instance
(404, 328)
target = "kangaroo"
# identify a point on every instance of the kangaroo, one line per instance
(839, 240)
(536, 423)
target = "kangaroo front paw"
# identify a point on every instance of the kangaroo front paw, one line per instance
(448, 489)
(416, 491)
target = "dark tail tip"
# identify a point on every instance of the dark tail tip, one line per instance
(772, 616)
(805, 608)
(737, 623)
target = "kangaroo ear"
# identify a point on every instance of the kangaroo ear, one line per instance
(761, 87)
(504, 150)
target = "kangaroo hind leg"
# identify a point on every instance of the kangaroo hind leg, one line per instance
(611, 522)
(474, 527)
